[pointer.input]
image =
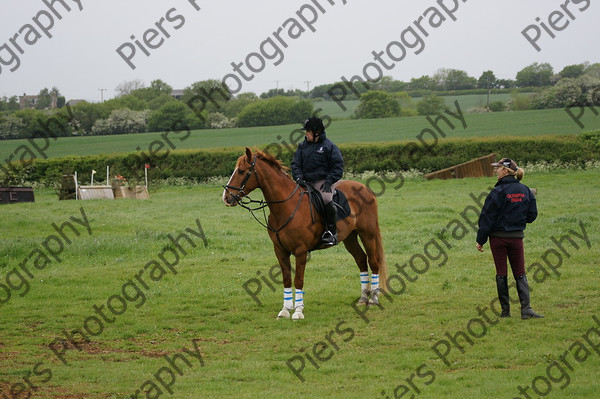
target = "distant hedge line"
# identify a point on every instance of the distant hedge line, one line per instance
(449, 93)
(202, 164)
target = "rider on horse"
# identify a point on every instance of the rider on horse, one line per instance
(319, 163)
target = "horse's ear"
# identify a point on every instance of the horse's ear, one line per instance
(249, 154)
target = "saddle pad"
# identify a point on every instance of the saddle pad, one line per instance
(339, 199)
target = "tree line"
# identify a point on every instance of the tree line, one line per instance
(138, 108)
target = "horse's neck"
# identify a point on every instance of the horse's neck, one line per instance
(275, 185)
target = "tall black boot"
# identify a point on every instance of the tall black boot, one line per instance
(330, 236)
(523, 291)
(502, 285)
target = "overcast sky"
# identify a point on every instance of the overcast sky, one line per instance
(81, 56)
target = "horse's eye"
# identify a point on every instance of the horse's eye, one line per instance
(240, 172)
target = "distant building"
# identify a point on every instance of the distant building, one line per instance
(177, 94)
(27, 102)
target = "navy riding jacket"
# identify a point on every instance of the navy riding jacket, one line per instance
(321, 160)
(508, 208)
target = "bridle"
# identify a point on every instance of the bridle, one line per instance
(246, 202)
(240, 189)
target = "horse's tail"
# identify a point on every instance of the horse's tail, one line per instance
(383, 272)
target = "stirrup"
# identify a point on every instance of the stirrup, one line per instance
(329, 239)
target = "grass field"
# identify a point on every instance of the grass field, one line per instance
(244, 349)
(523, 123)
(467, 101)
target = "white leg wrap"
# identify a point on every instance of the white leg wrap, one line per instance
(374, 300)
(374, 282)
(364, 281)
(364, 288)
(288, 302)
(298, 315)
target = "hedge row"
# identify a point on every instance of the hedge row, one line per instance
(448, 93)
(200, 165)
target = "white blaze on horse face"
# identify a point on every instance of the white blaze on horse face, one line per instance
(225, 194)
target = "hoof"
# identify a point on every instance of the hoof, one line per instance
(374, 300)
(364, 298)
(284, 314)
(298, 315)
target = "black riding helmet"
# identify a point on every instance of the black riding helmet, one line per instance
(314, 124)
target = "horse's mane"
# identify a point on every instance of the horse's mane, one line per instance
(270, 159)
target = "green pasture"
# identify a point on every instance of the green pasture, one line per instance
(334, 110)
(477, 100)
(244, 348)
(467, 101)
(523, 123)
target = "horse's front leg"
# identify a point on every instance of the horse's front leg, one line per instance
(286, 272)
(299, 284)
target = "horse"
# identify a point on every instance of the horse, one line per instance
(295, 230)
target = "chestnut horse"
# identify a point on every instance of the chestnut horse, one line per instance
(295, 229)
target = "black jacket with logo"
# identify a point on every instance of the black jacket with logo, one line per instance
(321, 160)
(508, 208)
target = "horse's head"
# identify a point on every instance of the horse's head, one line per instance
(243, 180)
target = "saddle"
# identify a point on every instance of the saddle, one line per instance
(339, 200)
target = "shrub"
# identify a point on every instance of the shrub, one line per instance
(431, 105)
(275, 111)
(377, 104)
(174, 115)
(593, 138)
(121, 121)
(217, 120)
(10, 127)
(520, 102)
(497, 106)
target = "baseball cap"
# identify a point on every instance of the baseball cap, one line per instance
(507, 163)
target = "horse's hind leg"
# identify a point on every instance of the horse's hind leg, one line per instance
(353, 246)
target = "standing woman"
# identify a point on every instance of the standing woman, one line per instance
(506, 211)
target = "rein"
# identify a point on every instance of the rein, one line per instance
(245, 202)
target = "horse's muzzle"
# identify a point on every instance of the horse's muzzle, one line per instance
(230, 199)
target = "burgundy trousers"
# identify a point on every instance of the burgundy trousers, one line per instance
(511, 249)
